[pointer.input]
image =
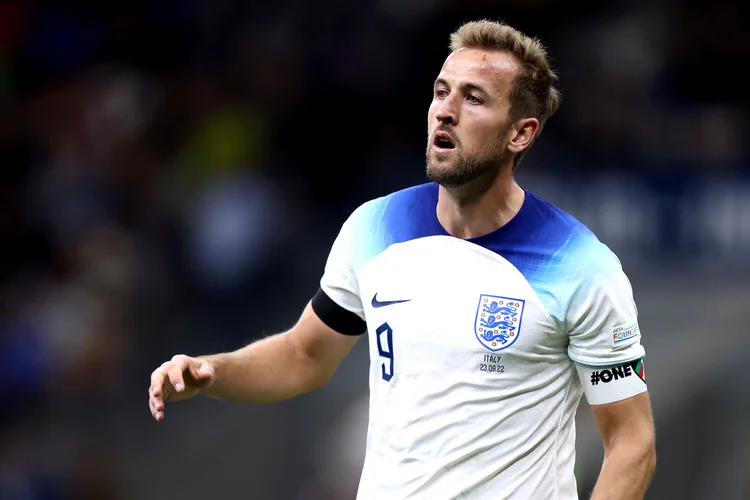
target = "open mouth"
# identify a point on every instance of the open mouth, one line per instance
(443, 141)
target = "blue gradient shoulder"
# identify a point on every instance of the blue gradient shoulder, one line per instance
(554, 251)
(571, 245)
(395, 218)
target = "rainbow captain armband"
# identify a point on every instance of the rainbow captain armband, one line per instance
(607, 384)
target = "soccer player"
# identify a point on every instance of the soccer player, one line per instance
(488, 312)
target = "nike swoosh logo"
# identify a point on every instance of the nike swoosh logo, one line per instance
(376, 303)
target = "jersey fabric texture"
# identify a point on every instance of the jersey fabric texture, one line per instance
(480, 349)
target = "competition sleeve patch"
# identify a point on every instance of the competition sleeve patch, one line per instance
(625, 335)
(336, 317)
(607, 384)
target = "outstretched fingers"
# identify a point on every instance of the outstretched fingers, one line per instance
(164, 380)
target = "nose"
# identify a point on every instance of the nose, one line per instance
(447, 113)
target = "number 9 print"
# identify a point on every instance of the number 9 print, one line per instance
(384, 339)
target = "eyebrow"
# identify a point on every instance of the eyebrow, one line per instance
(463, 86)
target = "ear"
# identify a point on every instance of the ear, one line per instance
(522, 134)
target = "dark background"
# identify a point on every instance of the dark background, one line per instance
(174, 172)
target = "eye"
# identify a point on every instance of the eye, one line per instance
(441, 93)
(474, 99)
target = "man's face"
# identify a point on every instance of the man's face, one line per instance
(468, 120)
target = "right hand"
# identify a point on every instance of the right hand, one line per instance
(180, 378)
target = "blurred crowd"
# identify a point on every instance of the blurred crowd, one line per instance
(174, 171)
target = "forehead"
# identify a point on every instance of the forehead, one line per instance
(493, 70)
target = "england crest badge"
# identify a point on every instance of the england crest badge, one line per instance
(498, 322)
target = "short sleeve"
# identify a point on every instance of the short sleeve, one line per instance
(603, 330)
(339, 281)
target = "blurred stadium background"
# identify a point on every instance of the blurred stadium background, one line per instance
(174, 171)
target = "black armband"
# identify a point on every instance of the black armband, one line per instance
(336, 317)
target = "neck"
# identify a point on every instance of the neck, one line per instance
(481, 206)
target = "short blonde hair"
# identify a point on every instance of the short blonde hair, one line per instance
(533, 93)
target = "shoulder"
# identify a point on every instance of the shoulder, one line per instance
(398, 217)
(551, 221)
(569, 243)
(411, 201)
(562, 259)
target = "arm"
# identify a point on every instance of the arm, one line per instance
(627, 429)
(284, 365)
(273, 369)
(605, 343)
(281, 366)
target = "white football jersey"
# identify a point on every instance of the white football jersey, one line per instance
(480, 349)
